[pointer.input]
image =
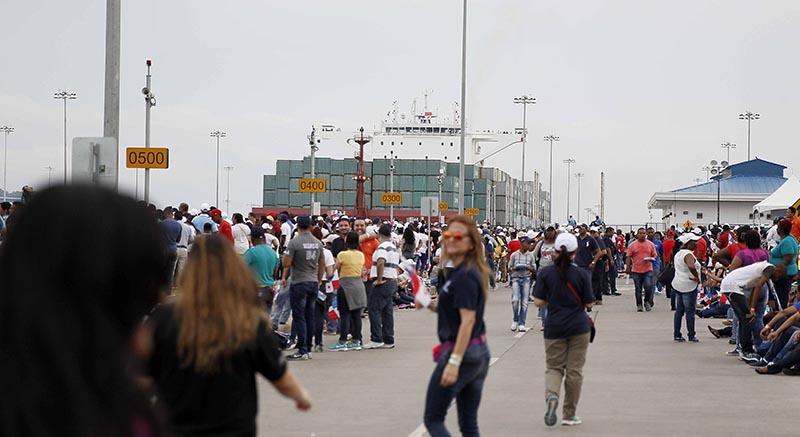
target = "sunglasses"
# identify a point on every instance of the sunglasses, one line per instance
(458, 236)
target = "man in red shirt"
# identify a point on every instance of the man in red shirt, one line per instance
(701, 253)
(641, 254)
(224, 227)
(725, 238)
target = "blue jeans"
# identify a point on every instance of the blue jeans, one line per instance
(303, 296)
(381, 312)
(467, 391)
(643, 282)
(493, 272)
(782, 345)
(281, 309)
(520, 291)
(685, 305)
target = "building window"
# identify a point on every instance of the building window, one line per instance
(699, 216)
(750, 216)
(686, 213)
(769, 216)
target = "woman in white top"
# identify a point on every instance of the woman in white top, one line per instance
(241, 234)
(685, 282)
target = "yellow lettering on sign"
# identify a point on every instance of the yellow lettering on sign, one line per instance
(144, 157)
(392, 198)
(312, 185)
(472, 211)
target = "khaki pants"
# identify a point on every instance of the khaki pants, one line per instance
(566, 356)
(183, 254)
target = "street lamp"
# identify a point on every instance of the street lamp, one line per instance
(551, 138)
(228, 196)
(463, 120)
(729, 146)
(569, 163)
(65, 95)
(524, 100)
(707, 169)
(218, 134)
(749, 116)
(579, 176)
(312, 142)
(716, 170)
(149, 102)
(6, 130)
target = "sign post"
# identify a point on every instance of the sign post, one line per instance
(429, 206)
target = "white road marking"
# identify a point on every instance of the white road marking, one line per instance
(519, 334)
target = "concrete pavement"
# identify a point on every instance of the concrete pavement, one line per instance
(637, 382)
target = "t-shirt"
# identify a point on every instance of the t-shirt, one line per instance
(660, 253)
(787, 246)
(337, 246)
(305, 251)
(199, 222)
(368, 247)
(734, 248)
(226, 231)
(330, 261)
(225, 403)
(519, 263)
(609, 244)
(724, 239)
(241, 238)
(739, 280)
(391, 256)
(796, 228)
(587, 246)
(637, 252)
(187, 235)
(701, 253)
(566, 316)
(352, 261)
(752, 256)
(462, 288)
(546, 252)
(287, 229)
(668, 245)
(262, 259)
(172, 230)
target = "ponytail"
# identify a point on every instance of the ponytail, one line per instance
(563, 262)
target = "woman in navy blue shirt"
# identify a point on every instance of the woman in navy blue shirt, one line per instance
(566, 290)
(462, 358)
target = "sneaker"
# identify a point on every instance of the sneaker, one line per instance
(679, 339)
(694, 339)
(513, 326)
(733, 353)
(749, 358)
(616, 293)
(575, 421)
(522, 328)
(292, 345)
(760, 363)
(339, 346)
(387, 346)
(714, 332)
(354, 345)
(639, 308)
(297, 356)
(318, 348)
(551, 415)
(647, 306)
(373, 345)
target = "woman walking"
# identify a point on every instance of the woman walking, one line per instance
(462, 357)
(566, 290)
(684, 285)
(211, 341)
(352, 297)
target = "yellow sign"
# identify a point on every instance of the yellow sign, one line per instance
(443, 206)
(472, 211)
(392, 198)
(143, 157)
(312, 185)
(688, 225)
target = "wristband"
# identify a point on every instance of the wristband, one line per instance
(767, 326)
(454, 362)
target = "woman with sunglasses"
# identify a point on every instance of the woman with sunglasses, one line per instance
(566, 290)
(462, 357)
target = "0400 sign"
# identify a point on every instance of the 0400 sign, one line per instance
(142, 157)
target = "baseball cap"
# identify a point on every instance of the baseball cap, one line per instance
(256, 232)
(524, 239)
(689, 236)
(550, 227)
(216, 212)
(568, 241)
(205, 207)
(304, 221)
(697, 231)
(594, 229)
(330, 238)
(583, 225)
(385, 230)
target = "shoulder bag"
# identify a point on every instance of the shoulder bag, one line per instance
(593, 330)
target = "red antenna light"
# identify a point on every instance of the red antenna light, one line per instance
(149, 62)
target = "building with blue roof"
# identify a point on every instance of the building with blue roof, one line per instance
(741, 186)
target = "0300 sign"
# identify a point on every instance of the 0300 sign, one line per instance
(142, 157)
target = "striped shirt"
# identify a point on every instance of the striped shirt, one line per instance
(391, 256)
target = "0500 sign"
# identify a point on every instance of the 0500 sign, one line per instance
(141, 157)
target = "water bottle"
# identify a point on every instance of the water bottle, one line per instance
(627, 279)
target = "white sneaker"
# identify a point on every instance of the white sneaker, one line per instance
(514, 326)
(373, 345)
(522, 328)
(571, 422)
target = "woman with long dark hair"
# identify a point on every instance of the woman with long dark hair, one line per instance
(462, 357)
(211, 341)
(71, 308)
(566, 290)
(409, 247)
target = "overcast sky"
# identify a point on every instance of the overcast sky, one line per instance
(644, 91)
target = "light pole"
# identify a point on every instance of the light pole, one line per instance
(49, 169)
(472, 199)
(749, 116)
(218, 134)
(391, 183)
(551, 138)
(707, 169)
(463, 111)
(6, 130)
(579, 176)
(312, 142)
(65, 95)
(440, 179)
(569, 163)
(149, 102)
(716, 170)
(729, 146)
(524, 100)
(228, 169)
